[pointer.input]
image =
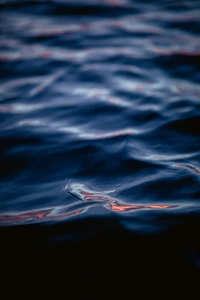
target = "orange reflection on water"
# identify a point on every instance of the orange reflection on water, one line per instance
(112, 203)
(160, 206)
(89, 196)
(124, 208)
(45, 215)
(189, 167)
(25, 216)
(85, 193)
(94, 197)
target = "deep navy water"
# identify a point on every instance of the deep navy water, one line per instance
(100, 146)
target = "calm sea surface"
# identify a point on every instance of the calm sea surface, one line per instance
(100, 142)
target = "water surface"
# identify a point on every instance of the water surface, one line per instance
(100, 127)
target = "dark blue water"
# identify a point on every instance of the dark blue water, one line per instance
(100, 145)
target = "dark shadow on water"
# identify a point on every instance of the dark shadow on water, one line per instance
(98, 254)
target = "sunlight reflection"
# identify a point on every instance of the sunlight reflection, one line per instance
(124, 208)
(88, 195)
(41, 215)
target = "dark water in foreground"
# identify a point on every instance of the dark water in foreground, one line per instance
(99, 132)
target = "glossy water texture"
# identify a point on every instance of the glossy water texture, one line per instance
(100, 124)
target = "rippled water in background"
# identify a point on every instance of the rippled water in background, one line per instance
(99, 131)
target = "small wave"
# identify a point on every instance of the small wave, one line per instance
(189, 168)
(105, 93)
(35, 216)
(80, 192)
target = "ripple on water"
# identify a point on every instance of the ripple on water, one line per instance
(99, 156)
(106, 94)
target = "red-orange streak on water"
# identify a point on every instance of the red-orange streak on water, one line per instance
(195, 170)
(39, 215)
(85, 193)
(93, 197)
(28, 215)
(160, 206)
(120, 207)
(88, 196)
(123, 208)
